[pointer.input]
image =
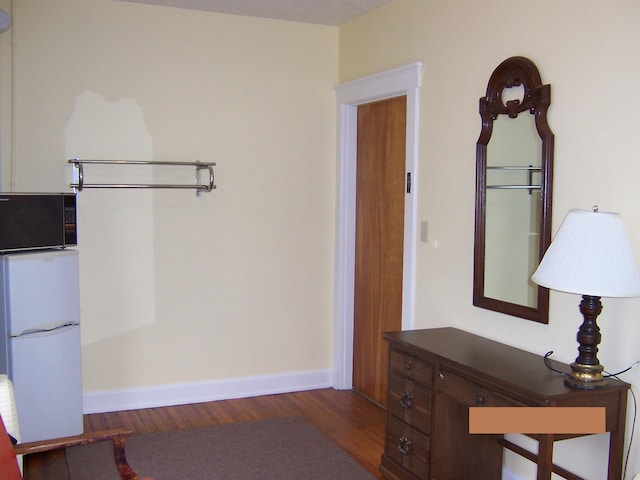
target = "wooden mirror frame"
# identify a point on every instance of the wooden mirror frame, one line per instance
(513, 72)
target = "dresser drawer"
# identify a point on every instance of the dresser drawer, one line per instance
(407, 447)
(468, 393)
(410, 402)
(411, 367)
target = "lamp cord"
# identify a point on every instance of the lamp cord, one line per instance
(614, 375)
(548, 365)
(635, 402)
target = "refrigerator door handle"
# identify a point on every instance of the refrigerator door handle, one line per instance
(54, 329)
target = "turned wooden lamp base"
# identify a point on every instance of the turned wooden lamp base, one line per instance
(586, 371)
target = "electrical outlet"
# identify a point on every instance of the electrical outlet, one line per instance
(424, 231)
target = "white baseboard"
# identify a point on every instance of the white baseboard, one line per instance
(184, 393)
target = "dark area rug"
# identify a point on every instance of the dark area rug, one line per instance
(281, 449)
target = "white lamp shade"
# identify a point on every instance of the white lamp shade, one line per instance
(590, 255)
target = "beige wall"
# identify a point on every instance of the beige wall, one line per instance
(587, 51)
(174, 288)
(238, 283)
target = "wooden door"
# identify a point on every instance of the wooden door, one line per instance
(380, 196)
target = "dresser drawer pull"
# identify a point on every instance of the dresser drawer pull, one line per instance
(404, 446)
(406, 400)
(408, 364)
(479, 399)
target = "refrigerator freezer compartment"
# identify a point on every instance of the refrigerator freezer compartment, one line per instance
(41, 289)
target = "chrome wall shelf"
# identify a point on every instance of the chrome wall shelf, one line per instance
(199, 185)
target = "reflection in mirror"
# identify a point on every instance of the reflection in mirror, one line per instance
(513, 192)
(512, 219)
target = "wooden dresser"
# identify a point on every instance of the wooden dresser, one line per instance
(435, 375)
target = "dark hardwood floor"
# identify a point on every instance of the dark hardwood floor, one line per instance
(346, 417)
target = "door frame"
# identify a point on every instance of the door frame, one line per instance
(396, 82)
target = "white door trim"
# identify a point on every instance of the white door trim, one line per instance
(404, 80)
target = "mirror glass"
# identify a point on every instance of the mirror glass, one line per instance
(513, 192)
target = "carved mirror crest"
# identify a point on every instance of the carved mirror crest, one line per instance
(514, 169)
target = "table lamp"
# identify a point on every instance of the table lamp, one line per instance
(591, 255)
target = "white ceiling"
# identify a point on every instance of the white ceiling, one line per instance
(324, 12)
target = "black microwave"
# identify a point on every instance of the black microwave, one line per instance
(37, 220)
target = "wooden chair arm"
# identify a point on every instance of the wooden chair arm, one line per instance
(65, 442)
(117, 436)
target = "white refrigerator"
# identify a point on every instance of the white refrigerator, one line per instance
(40, 340)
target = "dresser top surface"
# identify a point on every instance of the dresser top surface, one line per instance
(514, 369)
